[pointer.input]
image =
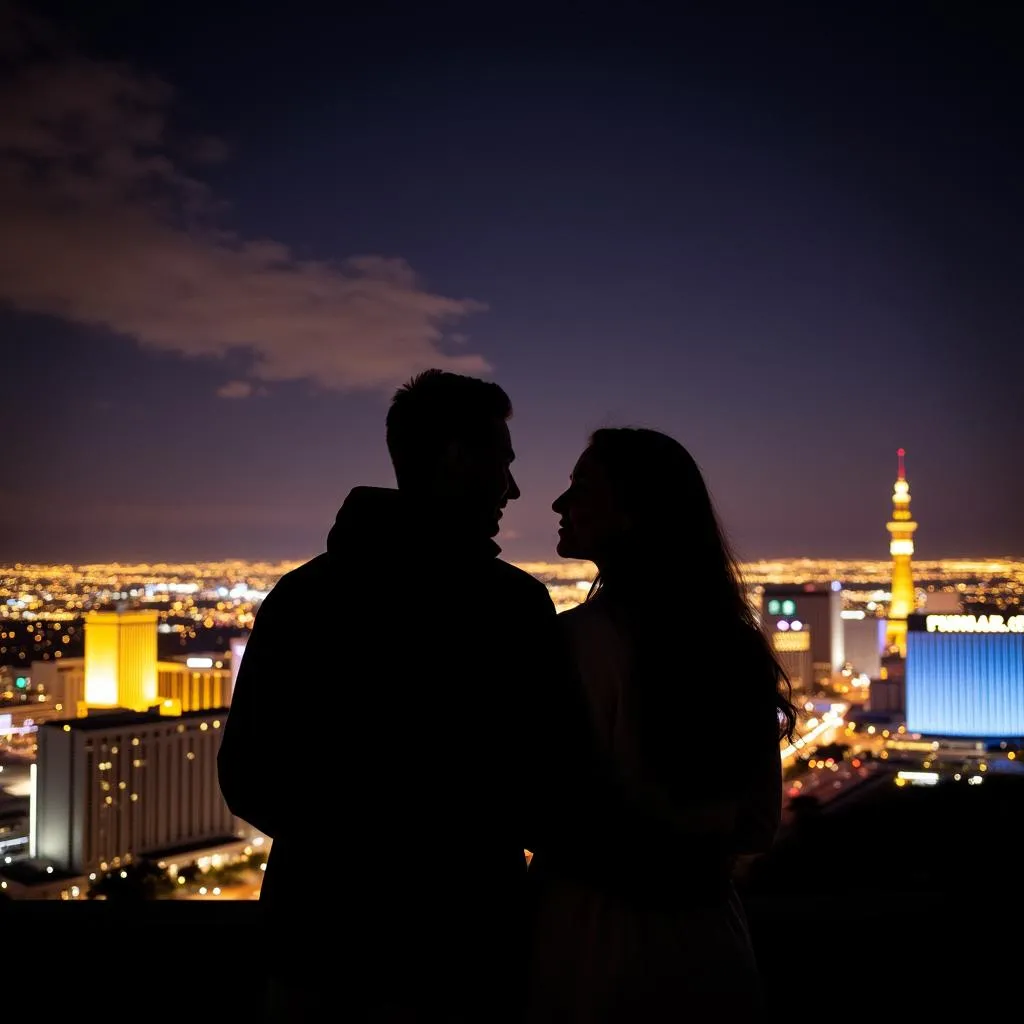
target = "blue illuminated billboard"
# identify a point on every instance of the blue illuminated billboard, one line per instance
(965, 675)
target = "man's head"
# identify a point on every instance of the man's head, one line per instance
(449, 443)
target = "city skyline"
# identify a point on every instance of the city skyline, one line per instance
(789, 245)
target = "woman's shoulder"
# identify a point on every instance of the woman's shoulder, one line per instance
(584, 615)
(589, 623)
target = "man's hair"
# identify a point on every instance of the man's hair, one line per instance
(434, 409)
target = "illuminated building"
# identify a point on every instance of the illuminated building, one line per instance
(197, 683)
(965, 675)
(120, 669)
(119, 785)
(793, 650)
(901, 547)
(134, 773)
(120, 659)
(810, 608)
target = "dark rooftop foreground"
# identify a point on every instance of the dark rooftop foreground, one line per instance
(907, 900)
(912, 895)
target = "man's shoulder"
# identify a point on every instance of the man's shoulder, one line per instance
(314, 573)
(520, 582)
(514, 576)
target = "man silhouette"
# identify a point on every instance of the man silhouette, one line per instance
(382, 727)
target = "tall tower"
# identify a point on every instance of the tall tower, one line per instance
(901, 546)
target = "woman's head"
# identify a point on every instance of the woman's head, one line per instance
(638, 507)
(635, 494)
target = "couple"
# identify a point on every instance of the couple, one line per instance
(410, 714)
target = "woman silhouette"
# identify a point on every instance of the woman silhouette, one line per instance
(637, 917)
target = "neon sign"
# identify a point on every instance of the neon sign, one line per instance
(974, 624)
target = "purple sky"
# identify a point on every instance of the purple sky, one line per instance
(793, 245)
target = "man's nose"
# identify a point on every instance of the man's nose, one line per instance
(556, 505)
(512, 491)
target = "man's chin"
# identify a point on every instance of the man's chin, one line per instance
(489, 528)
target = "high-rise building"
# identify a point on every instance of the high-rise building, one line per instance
(811, 609)
(901, 547)
(118, 785)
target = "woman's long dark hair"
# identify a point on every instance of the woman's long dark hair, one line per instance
(675, 532)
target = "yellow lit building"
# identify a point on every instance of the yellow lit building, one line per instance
(122, 670)
(901, 547)
(134, 772)
(120, 659)
(199, 684)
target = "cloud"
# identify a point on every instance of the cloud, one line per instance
(235, 389)
(105, 224)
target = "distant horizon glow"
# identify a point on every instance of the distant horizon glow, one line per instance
(972, 562)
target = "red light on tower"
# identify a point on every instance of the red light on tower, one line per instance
(900, 452)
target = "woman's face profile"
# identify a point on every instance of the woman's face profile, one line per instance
(590, 517)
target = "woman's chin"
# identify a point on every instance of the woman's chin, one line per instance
(563, 549)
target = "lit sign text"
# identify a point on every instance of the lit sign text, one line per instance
(974, 624)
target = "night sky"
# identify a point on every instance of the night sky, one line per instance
(224, 239)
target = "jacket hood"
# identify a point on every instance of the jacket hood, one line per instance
(374, 522)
